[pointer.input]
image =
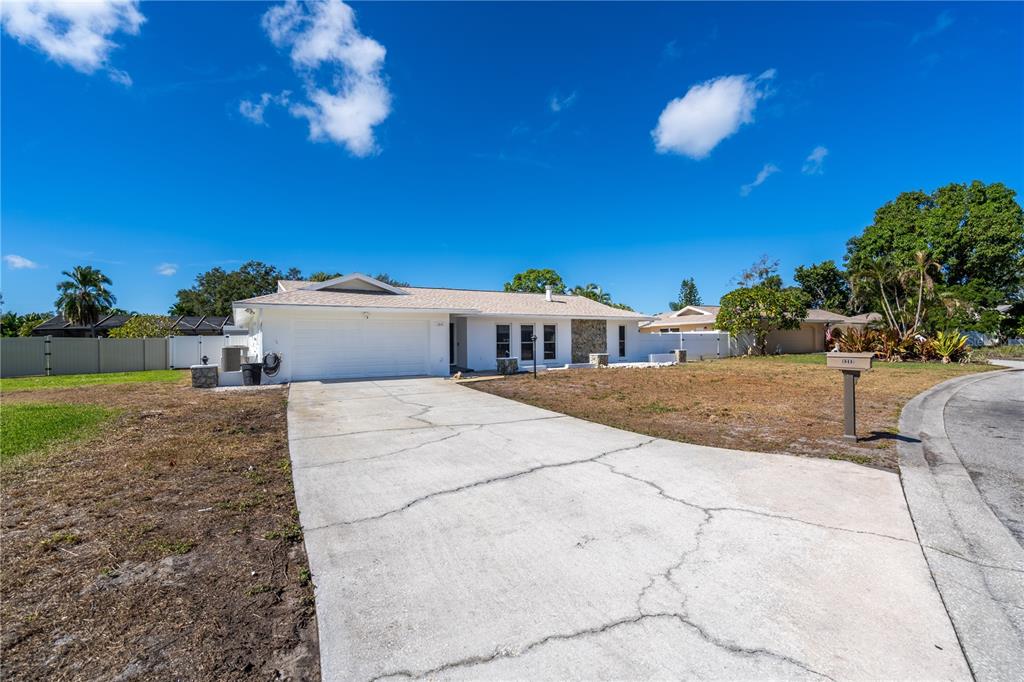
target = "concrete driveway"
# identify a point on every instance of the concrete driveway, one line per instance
(456, 534)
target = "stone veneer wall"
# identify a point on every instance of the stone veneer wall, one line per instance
(588, 336)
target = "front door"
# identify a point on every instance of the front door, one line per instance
(451, 343)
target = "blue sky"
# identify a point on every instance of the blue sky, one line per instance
(456, 144)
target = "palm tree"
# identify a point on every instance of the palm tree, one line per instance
(592, 291)
(84, 295)
(921, 270)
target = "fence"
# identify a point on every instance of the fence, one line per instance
(185, 351)
(698, 346)
(47, 355)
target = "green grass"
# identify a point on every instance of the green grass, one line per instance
(31, 427)
(998, 352)
(76, 380)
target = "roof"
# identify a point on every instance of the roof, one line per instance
(470, 301)
(707, 314)
(181, 323)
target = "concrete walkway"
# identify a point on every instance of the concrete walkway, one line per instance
(456, 534)
(964, 481)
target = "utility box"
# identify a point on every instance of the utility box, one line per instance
(857, 361)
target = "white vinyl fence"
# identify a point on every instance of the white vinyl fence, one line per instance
(186, 351)
(27, 356)
(698, 346)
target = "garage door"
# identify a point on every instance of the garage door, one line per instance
(343, 349)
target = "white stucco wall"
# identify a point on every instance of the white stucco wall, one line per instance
(482, 340)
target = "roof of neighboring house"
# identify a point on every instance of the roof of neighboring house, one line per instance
(707, 314)
(343, 294)
(181, 323)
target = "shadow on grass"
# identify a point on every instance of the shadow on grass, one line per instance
(886, 435)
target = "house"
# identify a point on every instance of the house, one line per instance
(809, 338)
(356, 326)
(182, 325)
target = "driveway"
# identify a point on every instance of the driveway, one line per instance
(963, 474)
(456, 534)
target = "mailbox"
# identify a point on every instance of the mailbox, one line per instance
(857, 361)
(851, 364)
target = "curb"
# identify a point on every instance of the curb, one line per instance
(976, 563)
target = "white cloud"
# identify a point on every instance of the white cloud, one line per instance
(813, 162)
(20, 262)
(167, 269)
(768, 170)
(559, 103)
(709, 112)
(254, 110)
(74, 33)
(357, 99)
(943, 21)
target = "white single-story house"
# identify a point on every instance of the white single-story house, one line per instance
(809, 338)
(357, 326)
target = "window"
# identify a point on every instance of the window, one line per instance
(504, 339)
(549, 342)
(526, 342)
(622, 340)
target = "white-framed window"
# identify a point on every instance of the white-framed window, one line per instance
(504, 341)
(549, 342)
(526, 342)
(622, 340)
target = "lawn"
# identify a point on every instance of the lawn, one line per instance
(787, 404)
(77, 380)
(30, 427)
(165, 546)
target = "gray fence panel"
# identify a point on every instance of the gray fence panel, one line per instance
(74, 356)
(121, 355)
(155, 353)
(22, 356)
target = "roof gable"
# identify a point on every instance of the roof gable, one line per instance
(355, 281)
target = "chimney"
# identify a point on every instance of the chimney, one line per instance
(547, 292)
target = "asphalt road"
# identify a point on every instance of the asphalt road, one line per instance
(985, 424)
(456, 534)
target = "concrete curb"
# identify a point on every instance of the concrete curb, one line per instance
(977, 564)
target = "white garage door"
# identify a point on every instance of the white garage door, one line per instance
(343, 349)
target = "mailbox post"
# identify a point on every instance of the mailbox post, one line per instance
(851, 365)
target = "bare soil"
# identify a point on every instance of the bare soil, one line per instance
(167, 547)
(786, 405)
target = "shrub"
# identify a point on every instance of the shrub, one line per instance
(858, 341)
(950, 346)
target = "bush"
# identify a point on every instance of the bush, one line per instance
(951, 346)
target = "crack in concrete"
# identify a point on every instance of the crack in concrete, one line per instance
(486, 481)
(472, 661)
(975, 562)
(782, 517)
(400, 451)
(430, 426)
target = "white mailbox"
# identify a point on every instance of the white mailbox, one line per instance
(857, 361)
(851, 364)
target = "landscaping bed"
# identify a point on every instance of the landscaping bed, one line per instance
(785, 404)
(161, 541)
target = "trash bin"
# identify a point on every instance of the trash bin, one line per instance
(252, 373)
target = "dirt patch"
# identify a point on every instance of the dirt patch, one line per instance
(167, 547)
(760, 404)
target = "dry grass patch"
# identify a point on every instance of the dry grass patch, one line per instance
(790, 404)
(162, 547)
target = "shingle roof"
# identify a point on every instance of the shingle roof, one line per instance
(670, 319)
(420, 298)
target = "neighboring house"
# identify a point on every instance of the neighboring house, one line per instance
(183, 325)
(809, 338)
(356, 326)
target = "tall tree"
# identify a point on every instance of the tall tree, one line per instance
(825, 285)
(593, 292)
(759, 309)
(216, 289)
(388, 279)
(534, 280)
(143, 326)
(321, 276)
(688, 295)
(84, 295)
(975, 231)
(763, 271)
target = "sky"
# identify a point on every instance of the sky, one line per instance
(456, 144)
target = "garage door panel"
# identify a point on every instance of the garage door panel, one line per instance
(341, 349)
